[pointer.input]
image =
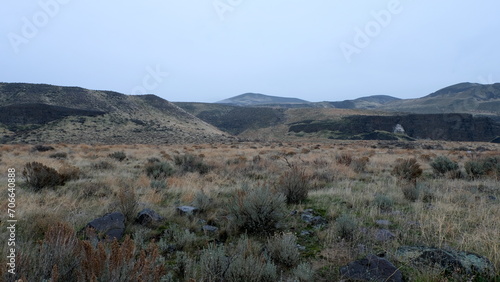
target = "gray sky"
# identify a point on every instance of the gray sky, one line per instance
(209, 50)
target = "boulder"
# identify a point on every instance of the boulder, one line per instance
(148, 216)
(371, 268)
(451, 262)
(189, 210)
(109, 226)
(210, 228)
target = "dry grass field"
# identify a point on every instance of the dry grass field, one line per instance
(349, 185)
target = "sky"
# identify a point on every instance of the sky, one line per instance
(210, 50)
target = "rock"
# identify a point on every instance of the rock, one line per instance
(308, 216)
(210, 228)
(300, 247)
(383, 235)
(496, 140)
(148, 216)
(371, 268)
(451, 262)
(109, 226)
(305, 233)
(383, 222)
(182, 210)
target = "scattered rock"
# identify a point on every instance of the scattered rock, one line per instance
(371, 268)
(109, 226)
(183, 210)
(451, 262)
(383, 222)
(383, 235)
(305, 233)
(210, 228)
(148, 216)
(309, 217)
(300, 247)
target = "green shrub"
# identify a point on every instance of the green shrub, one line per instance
(442, 165)
(257, 210)
(294, 184)
(383, 202)
(346, 226)
(119, 156)
(159, 170)
(191, 163)
(283, 250)
(158, 184)
(202, 201)
(39, 176)
(304, 272)
(488, 166)
(410, 192)
(407, 169)
(59, 155)
(102, 165)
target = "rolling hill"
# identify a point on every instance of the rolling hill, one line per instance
(472, 98)
(255, 99)
(41, 113)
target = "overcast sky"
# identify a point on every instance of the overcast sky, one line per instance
(209, 50)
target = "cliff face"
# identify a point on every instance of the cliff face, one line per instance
(450, 127)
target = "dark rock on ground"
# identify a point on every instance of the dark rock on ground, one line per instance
(109, 226)
(371, 268)
(182, 210)
(148, 216)
(452, 262)
(383, 222)
(309, 217)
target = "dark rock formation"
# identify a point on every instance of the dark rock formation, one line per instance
(148, 216)
(187, 210)
(451, 262)
(109, 226)
(371, 268)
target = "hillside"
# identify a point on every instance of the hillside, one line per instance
(369, 102)
(36, 113)
(470, 98)
(254, 99)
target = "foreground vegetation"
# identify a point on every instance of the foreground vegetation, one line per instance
(445, 195)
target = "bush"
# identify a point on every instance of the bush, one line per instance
(69, 172)
(159, 170)
(59, 155)
(39, 176)
(119, 156)
(191, 163)
(344, 159)
(483, 167)
(294, 184)
(346, 226)
(128, 203)
(407, 169)
(383, 202)
(102, 165)
(283, 250)
(158, 184)
(257, 210)
(304, 272)
(441, 165)
(202, 201)
(359, 164)
(410, 192)
(42, 148)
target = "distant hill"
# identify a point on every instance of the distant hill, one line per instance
(41, 113)
(472, 98)
(254, 99)
(369, 102)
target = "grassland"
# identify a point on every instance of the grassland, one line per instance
(450, 211)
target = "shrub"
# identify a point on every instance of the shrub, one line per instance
(483, 167)
(59, 155)
(359, 164)
(158, 184)
(442, 165)
(304, 272)
(159, 170)
(257, 210)
(283, 250)
(42, 148)
(119, 156)
(294, 184)
(69, 172)
(191, 163)
(128, 203)
(407, 169)
(202, 201)
(39, 176)
(346, 226)
(383, 202)
(410, 192)
(103, 165)
(344, 159)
